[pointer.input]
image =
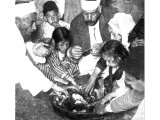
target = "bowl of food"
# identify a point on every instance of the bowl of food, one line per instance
(75, 106)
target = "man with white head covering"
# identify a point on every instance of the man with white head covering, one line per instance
(29, 77)
(89, 30)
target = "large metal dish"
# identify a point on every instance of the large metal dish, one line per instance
(76, 115)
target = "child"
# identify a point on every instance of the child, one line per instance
(57, 63)
(134, 81)
(113, 53)
(51, 16)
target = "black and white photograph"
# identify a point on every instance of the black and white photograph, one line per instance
(79, 59)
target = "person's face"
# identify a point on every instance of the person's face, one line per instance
(91, 17)
(28, 25)
(63, 46)
(31, 27)
(110, 61)
(52, 17)
(133, 82)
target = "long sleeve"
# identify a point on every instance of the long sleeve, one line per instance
(26, 73)
(127, 101)
(61, 68)
(46, 70)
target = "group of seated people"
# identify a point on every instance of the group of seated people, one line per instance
(108, 49)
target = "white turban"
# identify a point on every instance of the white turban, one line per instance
(24, 9)
(90, 5)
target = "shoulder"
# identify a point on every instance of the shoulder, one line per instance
(108, 12)
(77, 20)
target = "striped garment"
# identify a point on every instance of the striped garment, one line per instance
(55, 66)
(127, 101)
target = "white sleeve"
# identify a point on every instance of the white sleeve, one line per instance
(23, 71)
(37, 59)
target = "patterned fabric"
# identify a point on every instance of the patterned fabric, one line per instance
(129, 100)
(61, 68)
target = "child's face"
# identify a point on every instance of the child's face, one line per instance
(134, 83)
(110, 61)
(52, 17)
(63, 46)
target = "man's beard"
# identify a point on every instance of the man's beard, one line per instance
(90, 22)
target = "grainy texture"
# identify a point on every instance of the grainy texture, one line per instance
(40, 108)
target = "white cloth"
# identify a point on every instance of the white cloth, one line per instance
(25, 72)
(48, 29)
(23, 9)
(90, 5)
(122, 23)
(37, 59)
(87, 64)
(95, 36)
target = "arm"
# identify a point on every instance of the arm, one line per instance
(119, 104)
(101, 65)
(127, 101)
(91, 82)
(35, 59)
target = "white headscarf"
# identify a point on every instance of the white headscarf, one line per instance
(122, 23)
(24, 9)
(26, 73)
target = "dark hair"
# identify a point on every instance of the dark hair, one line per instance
(115, 48)
(134, 65)
(49, 6)
(61, 34)
(137, 31)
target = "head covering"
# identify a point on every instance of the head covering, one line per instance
(24, 9)
(122, 23)
(90, 5)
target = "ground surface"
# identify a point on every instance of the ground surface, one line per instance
(40, 108)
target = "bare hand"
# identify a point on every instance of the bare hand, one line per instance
(100, 108)
(96, 49)
(40, 50)
(76, 52)
(88, 88)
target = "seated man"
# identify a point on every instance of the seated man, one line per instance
(30, 76)
(89, 30)
(27, 74)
